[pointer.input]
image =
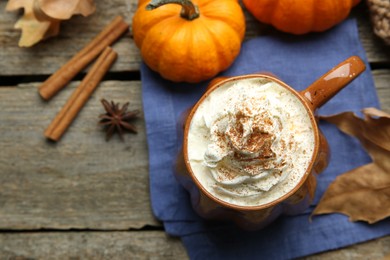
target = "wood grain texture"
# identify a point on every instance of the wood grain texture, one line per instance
(90, 245)
(46, 57)
(382, 84)
(375, 249)
(140, 245)
(81, 181)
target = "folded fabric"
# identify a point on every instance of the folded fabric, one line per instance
(298, 61)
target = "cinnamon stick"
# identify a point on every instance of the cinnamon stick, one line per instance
(69, 70)
(80, 96)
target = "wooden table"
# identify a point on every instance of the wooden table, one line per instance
(84, 197)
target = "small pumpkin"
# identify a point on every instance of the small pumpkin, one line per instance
(189, 41)
(300, 16)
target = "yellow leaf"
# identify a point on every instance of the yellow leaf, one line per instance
(65, 9)
(41, 18)
(33, 30)
(13, 5)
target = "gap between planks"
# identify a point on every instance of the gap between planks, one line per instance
(15, 80)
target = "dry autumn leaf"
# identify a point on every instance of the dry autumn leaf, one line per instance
(41, 18)
(362, 193)
(65, 9)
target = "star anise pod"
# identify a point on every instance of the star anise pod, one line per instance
(117, 119)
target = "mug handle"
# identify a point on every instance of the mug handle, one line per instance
(323, 89)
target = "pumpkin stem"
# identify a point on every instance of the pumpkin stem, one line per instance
(189, 10)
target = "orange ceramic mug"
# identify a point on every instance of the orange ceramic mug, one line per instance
(252, 147)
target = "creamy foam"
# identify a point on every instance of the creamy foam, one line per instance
(250, 142)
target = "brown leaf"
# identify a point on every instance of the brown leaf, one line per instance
(363, 193)
(373, 132)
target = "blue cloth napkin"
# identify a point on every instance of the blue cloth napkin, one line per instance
(299, 61)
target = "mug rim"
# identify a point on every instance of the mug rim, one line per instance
(302, 180)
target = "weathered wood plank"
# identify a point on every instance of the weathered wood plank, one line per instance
(382, 84)
(49, 55)
(90, 245)
(139, 245)
(371, 250)
(81, 181)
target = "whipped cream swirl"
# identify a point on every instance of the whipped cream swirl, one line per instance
(247, 148)
(249, 140)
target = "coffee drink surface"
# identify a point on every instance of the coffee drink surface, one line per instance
(250, 142)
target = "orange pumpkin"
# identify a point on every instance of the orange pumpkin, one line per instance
(300, 16)
(189, 41)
